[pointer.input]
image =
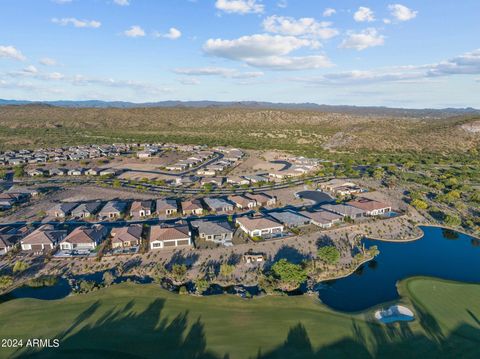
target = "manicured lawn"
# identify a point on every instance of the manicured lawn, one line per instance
(136, 321)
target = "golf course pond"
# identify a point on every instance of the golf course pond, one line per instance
(440, 253)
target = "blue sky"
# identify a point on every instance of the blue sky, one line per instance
(422, 53)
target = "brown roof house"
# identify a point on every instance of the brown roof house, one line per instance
(370, 206)
(6, 243)
(43, 239)
(242, 202)
(263, 199)
(141, 209)
(260, 226)
(169, 237)
(192, 207)
(126, 237)
(166, 207)
(84, 238)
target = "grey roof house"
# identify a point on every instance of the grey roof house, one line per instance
(218, 232)
(113, 209)
(290, 218)
(86, 210)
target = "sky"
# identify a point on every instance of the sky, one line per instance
(411, 53)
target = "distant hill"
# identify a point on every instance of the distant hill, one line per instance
(358, 110)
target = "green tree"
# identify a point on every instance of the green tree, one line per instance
(108, 278)
(5, 281)
(20, 267)
(419, 204)
(19, 171)
(289, 273)
(226, 270)
(201, 285)
(452, 220)
(329, 254)
(179, 272)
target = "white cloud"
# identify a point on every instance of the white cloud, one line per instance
(267, 51)
(329, 12)
(306, 26)
(282, 4)
(239, 6)
(122, 2)
(11, 53)
(47, 61)
(217, 71)
(30, 69)
(465, 64)
(364, 14)
(291, 63)
(253, 46)
(401, 12)
(189, 81)
(134, 31)
(363, 39)
(173, 34)
(76, 22)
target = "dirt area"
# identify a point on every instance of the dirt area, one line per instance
(148, 164)
(259, 161)
(286, 196)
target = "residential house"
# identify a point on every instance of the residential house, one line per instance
(93, 171)
(126, 237)
(242, 202)
(218, 205)
(144, 154)
(217, 232)
(110, 172)
(36, 172)
(9, 237)
(237, 180)
(290, 218)
(141, 209)
(253, 257)
(9, 199)
(86, 210)
(166, 207)
(84, 238)
(76, 172)
(206, 172)
(262, 199)
(169, 237)
(370, 206)
(62, 210)
(193, 207)
(256, 178)
(323, 219)
(345, 210)
(260, 226)
(57, 171)
(113, 209)
(341, 187)
(217, 181)
(43, 239)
